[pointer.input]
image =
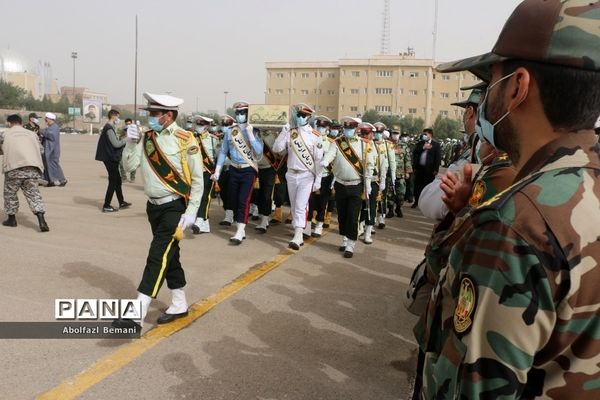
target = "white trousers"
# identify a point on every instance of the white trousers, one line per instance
(299, 188)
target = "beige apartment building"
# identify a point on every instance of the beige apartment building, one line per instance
(396, 85)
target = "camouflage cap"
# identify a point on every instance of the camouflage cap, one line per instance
(474, 98)
(561, 32)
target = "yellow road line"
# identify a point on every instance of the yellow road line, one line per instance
(106, 366)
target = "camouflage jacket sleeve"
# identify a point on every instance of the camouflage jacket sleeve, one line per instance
(408, 167)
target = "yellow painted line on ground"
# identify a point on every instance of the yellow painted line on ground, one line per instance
(106, 366)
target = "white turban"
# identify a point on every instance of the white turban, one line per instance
(51, 116)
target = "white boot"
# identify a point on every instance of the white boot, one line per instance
(239, 235)
(349, 251)
(297, 241)
(197, 227)
(344, 244)
(145, 305)
(368, 230)
(381, 221)
(307, 230)
(361, 229)
(264, 224)
(253, 211)
(318, 230)
(179, 303)
(228, 220)
(205, 227)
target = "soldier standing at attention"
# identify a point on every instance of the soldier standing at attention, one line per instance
(305, 151)
(515, 312)
(352, 161)
(208, 151)
(23, 166)
(33, 125)
(244, 149)
(173, 181)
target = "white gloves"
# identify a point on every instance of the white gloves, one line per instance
(324, 164)
(316, 186)
(394, 178)
(369, 189)
(186, 221)
(215, 177)
(381, 186)
(133, 133)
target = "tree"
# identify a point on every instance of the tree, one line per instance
(411, 125)
(11, 96)
(446, 128)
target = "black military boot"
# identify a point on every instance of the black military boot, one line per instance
(390, 212)
(42, 221)
(11, 221)
(399, 212)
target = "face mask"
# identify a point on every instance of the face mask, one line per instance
(425, 138)
(301, 121)
(334, 133)
(188, 125)
(154, 124)
(240, 118)
(378, 136)
(349, 132)
(466, 138)
(200, 129)
(212, 129)
(484, 128)
(405, 139)
(36, 121)
(323, 131)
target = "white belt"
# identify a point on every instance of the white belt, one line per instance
(239, 166)
(163, 200)
(348, 183)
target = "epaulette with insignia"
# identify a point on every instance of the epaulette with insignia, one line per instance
(184, 135)
(331, 140)
(316, 133)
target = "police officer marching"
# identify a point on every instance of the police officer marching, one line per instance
(305, 151)
(244, 150)
(352, 161)
(267, 172)
(322, 196)
(385, 147)
(226, 121)
(173, 181)
(208, 144)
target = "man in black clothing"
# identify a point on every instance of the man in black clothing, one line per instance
(109, 152)
(427, 156)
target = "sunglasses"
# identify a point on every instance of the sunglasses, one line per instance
(239, 112)
(349, 126)
(302, 115)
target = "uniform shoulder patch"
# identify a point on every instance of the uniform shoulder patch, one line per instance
(316, 133)
(183, 135)
(479, 189)
(465, 305)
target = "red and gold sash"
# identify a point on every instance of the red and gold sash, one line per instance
(162, 167)
(351, 156)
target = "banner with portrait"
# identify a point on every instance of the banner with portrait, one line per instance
(92, 111)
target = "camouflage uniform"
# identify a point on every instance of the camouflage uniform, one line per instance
(403, 166)
(26, 179)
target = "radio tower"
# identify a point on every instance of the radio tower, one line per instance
(385, 32)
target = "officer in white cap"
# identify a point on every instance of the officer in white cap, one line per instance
(226, 121)
(384, 145)
(305, 152)
(267, 177)
(244, 150)
(352, 161)
(208, 144)
(320, 199)
(173, 181)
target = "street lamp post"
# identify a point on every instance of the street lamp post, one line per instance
(74, 57)
(225, 93)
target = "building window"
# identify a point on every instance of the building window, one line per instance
(383, 91)
(444, 113)
(445, 77)
(414, 74)
(331, 75)
(331, 92)
(279, 75)
(354, 91)
(383, 74)
(412, 110)
(445, 95)
(330, 109)
(353, 108)
(355, 74)
(304, 92)
(305, 75)
(400, 91)
(386, 109)
(413, 93)
(279, 91)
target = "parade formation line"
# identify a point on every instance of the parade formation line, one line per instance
(106, 366)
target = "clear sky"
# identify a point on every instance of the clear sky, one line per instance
(203, 48)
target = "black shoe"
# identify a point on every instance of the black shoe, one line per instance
(195, 230)
(381, 226)
(325, 225)
(124, 205)
(288, 221)
(225, 223)
(50, 184)
(415, 205)
(42, 222)
(294, 246)
(342, 248)
(274, 221)
(390, 213)
(166, 318)
(236, 242)
(63, 183)
(255, 218)
(126, 323)
(348, 254)
(399, 212)
(109, 209)
(11, 221)
(260, 229)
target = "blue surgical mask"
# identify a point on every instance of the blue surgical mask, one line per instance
(323, 131)
(349, 132)
(425, 138)
(154, 124)
(240, 118)
(188, 125)
(378, 136)
(484, 128)
(334, 133)
(301, 121)
(200, 129)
